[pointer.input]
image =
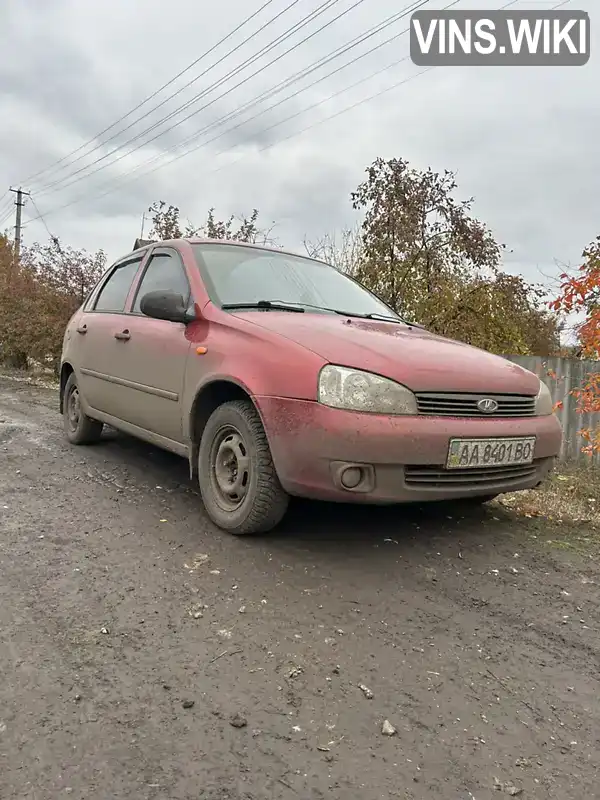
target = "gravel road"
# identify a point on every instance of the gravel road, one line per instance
(145, 654)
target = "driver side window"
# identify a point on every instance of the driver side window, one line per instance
(164, 272)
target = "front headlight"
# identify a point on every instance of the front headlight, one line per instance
(543, 402)
(355, 390)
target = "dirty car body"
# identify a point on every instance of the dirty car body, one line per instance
(276, 375)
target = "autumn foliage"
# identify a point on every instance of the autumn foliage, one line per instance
(580, 294)
(38, 295)
(421, 250)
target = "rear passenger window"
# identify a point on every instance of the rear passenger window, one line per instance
(166, 273)
(113, 294)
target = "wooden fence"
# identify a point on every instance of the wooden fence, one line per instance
(561, 375)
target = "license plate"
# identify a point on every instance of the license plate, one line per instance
(472, 453)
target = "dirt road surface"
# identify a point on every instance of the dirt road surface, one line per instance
(144, 654)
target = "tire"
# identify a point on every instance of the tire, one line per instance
(79, 428)
(238, 482)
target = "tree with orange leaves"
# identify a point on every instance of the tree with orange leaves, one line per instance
(580, 293)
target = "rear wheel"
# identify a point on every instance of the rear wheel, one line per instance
(238, 482)
(79, 428)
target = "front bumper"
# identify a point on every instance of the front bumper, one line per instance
(401, 458)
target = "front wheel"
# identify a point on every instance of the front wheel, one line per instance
(238, 482)
(79, 428)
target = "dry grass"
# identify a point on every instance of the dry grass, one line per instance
(37, 375)
(571, 495)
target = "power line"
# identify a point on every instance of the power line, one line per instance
(7, 206)
(368, 99)
(289, 81)
(153, 95)
(101, 144)
(297, 133)
(4, 218)
(53, 239)
(316, 104)
(337, 114)
(274, 90)
(6, 212)
(269, 146)
(284, 84)
(278, 40)
(275, 105)
(281, 38)
(272, 144)
(303, 111)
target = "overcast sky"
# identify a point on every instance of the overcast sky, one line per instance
(525, 142)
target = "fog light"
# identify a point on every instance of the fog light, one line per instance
(351, 477)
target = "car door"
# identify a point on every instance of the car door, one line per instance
(103, 314)
(149, 355)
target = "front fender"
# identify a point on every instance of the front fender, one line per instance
(191, 398)
(256, 363)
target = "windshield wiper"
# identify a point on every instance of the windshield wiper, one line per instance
(357, 314)
(292, 305)
(385, 317)
(267, 305)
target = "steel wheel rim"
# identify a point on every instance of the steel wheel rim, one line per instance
(229, 468)
(73, 408)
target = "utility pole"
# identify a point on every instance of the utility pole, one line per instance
(19, 204)
(143, 225)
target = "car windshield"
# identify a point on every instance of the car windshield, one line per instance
(238, 275)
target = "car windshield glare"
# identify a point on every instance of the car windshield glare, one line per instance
(236, 275)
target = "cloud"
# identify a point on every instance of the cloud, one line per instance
(524, 141)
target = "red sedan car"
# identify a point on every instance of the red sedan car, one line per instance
(276, 375)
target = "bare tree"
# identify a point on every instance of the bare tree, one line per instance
(343, 250)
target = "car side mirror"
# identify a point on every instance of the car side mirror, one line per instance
(165, 305)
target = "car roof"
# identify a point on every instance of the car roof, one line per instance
(140, 248)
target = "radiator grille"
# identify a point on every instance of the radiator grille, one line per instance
(435, 477)
(465, 405)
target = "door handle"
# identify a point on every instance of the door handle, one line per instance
(123, 336)
(82, 329)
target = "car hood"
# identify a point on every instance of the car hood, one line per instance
(416, 358)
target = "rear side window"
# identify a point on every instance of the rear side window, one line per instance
(164, 272)
(113, 294)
